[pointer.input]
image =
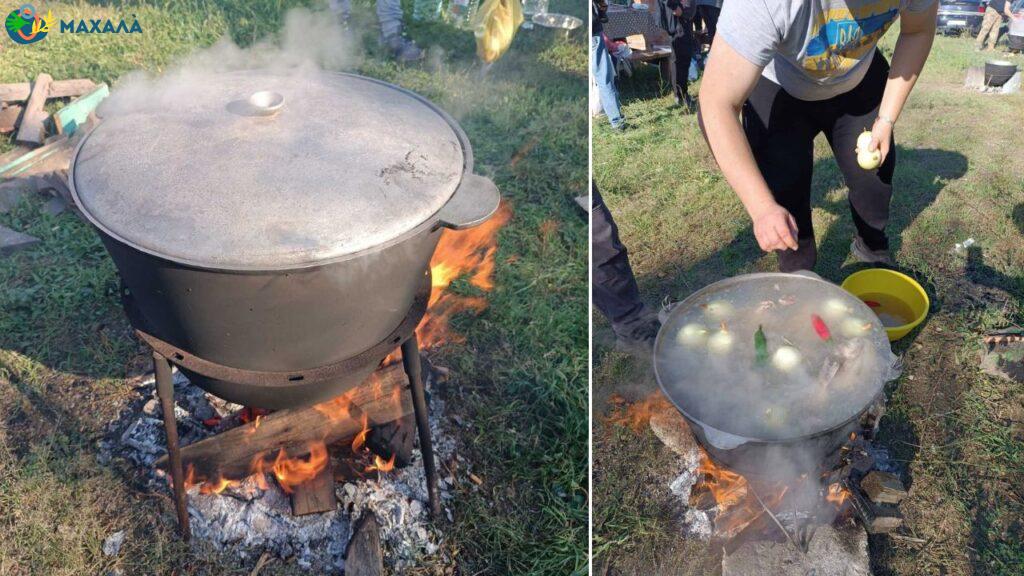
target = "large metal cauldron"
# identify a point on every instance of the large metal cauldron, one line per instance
(725, 435)
(274, 222)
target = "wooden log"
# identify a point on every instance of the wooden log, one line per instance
(32, 128)
(352, 469)
(364, 557)
(231, 454)
(19, 92)
(9, 116)
(876, 518)
(883, 488)
(315, 495)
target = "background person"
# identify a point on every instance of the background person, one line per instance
(602, 67)
(708, 10)
(389, 14)
(793, 69)
(992, 22)
(675, 17)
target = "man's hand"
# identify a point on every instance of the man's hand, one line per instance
(775, 228)
(677, 11)
(881, 135)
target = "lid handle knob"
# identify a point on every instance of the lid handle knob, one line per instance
(266, 102)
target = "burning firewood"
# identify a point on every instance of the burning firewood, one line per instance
(315, 495)
(269, 441)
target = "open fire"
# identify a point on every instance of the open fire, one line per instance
(742, 508)
(467, 253)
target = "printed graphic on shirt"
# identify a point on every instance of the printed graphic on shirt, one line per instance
(842, 36)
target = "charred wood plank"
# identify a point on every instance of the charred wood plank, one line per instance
(231, 454)
(364, 557)
(33, 117)
(883, 488)
(877, 518)
(316, 494)
(394, 440)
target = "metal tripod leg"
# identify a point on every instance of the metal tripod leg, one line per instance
(411, 363)
(165, 390)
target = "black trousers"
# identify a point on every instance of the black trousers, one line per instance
(781, 131)
(614, 287)
(679, 62)
(709, 14)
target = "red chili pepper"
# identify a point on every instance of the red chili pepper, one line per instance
(820, 328)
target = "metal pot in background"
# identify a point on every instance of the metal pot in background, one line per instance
(999, 72)
(282, 232)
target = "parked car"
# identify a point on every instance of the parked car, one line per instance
(958, 16)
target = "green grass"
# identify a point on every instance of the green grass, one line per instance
(519, 382)
(959, 432)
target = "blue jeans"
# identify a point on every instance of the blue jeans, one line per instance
(604, 74)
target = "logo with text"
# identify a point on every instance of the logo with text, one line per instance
(26, 26)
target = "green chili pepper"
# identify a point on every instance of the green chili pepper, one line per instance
(760, 346)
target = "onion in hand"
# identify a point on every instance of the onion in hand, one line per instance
(867, 159)
(864, 140)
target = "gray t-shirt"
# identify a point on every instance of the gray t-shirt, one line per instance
(814, 49)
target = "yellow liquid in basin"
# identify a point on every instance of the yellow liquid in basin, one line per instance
(890, 310)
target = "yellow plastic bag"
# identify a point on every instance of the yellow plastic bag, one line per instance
(494, 26)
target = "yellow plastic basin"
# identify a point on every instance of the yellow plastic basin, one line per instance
(897, 299)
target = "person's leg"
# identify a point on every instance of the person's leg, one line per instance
(389, 14)
(989, 28)
(616, 294)
(604, 75)
(870, 191)
(781, 131)
(682, 54)
(341, 8)
(979, 42)
(711, 20)
(993, 35)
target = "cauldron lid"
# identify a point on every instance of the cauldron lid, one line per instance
(706, 361)
(261, 170)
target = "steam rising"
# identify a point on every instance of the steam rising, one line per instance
(308, 42)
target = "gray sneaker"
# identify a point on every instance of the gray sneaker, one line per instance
(862, 253)
(402, 49)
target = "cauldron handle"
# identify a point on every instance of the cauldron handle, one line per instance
(473, 203)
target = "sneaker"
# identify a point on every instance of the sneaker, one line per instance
(403, 49)
(862, 253)
(622, 127)
(637, 334)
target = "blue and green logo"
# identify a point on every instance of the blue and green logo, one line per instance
(25, 26)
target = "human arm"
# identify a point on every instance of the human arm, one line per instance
(728, 80)
(917, 32)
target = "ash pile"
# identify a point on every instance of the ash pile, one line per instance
(254, 517)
